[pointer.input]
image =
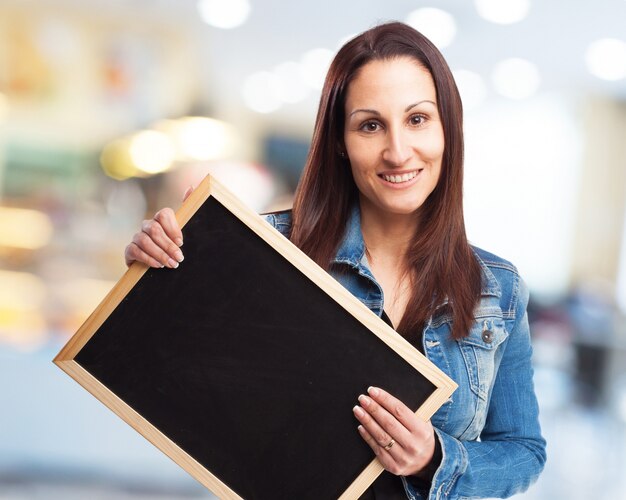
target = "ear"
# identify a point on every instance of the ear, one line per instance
(341, 150)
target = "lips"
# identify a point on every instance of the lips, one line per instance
(400, 178)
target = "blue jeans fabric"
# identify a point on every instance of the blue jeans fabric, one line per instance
(489, 430)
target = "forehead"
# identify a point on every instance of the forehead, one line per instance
(385, 81)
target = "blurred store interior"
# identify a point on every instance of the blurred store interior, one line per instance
(109, 109)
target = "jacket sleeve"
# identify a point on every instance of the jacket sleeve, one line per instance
(510, 454)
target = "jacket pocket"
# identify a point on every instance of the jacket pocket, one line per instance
(479, 350)
(480, 355)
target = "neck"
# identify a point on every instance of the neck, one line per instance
(387, 236)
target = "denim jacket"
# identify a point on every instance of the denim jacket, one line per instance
(488, 430)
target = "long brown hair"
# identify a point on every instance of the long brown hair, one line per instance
(441, 261)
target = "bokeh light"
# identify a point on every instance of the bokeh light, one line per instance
(152, 152)
(516, 78)
(4, 107)
(293, 88)
(22, 296)
(315, 64)
(606, 59)
(200, 138)
(503, 11)
(471, 87)
(116, 161)
(225, 14)
(262, 92)
(24, 228)
(437, 25)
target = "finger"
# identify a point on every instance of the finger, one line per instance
(146, 244)
(384, 456)
(380, 435)
(394, 458)
(167, 219)
(188, 193)
(385, 421)
(154, 230)
(421, 441)
(135, 254)
(397, 408)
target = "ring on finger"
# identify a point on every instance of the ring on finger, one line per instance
(388, 446)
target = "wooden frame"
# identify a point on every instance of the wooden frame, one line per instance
(108, 355)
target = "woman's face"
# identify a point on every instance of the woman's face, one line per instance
(393, 135)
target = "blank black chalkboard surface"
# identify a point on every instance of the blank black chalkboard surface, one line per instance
(243, 364)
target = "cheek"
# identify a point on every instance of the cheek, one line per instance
(433, 149)
(363, 174)
(358, 172)
(364, 156)
(439, 145)
(360, 162)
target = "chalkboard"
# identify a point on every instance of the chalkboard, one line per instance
(243, 364)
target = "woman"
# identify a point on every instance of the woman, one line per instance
(379, 206)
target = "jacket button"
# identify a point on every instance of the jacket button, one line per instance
(487, 336)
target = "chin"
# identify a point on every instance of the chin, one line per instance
(401, 206)
(402, 210)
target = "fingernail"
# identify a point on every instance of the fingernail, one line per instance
(172, 263)
(373, 391)
(361, 429)
(179, 242)
(364, 400)
(179, 256)
(358, 411)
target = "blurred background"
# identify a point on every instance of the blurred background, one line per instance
(109, 109)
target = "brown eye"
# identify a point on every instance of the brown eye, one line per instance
(370, 127)
(417, 120)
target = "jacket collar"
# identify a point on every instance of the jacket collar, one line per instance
(490, 283)
(351, 251)
(352, 247)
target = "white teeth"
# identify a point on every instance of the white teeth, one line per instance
(399, 178)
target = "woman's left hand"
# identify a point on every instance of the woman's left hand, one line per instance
(403, 443)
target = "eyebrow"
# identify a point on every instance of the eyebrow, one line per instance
(377, 113)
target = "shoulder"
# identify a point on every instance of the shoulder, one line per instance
(280, 220)
(502, 277)
(493, 261)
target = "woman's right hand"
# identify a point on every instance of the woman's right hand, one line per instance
(159, 241)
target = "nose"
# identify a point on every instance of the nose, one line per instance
(397, 149)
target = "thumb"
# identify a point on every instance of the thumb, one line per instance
(188, 193)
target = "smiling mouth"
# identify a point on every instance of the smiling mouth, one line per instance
(400, 178)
